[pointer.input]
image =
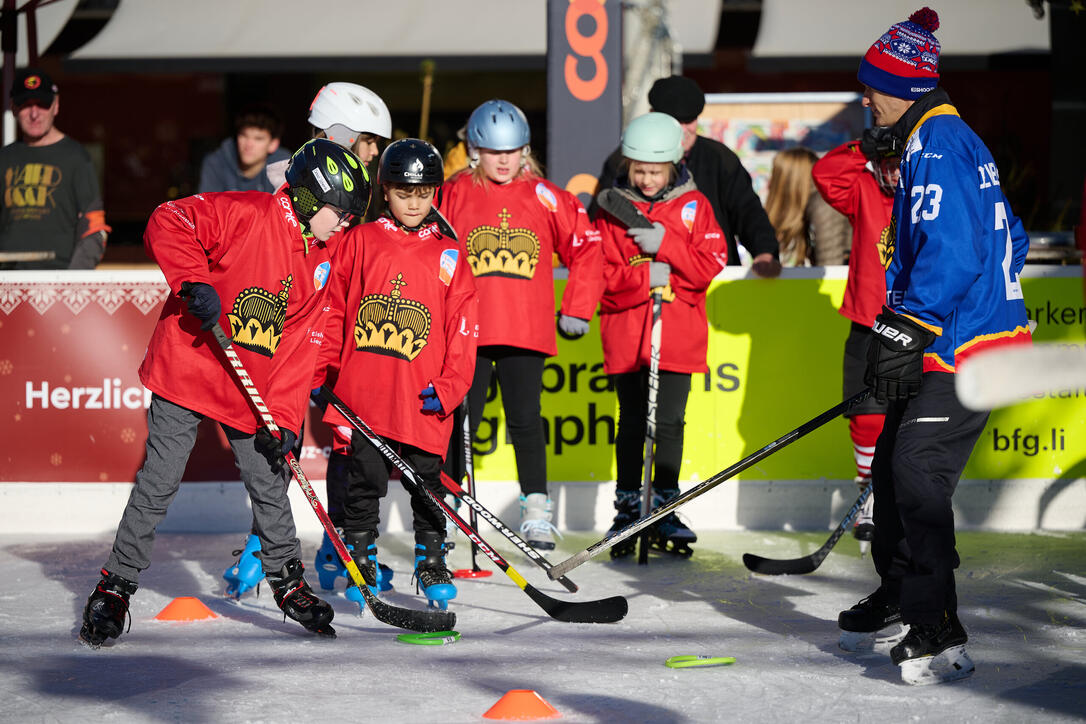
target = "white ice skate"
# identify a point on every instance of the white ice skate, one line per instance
(879, 642)
(949, 665)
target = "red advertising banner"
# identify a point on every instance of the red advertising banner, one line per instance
(73, 406)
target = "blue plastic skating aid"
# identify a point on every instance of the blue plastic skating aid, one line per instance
(329, 567)
(247, 572)
(439, 594)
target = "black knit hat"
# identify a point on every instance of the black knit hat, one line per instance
(679, 97)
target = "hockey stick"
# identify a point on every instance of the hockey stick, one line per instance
(560, 569)
(469, 473)
(406, 618)
(807, 564)
(650, 421)
(525, 547)
(1006, 375)
(606, 610)
(622, 209)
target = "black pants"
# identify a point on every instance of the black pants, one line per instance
(919, 459)
(367, 482)
(520, 377)
(633, 390)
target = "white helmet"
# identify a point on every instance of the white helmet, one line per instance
(344, 110)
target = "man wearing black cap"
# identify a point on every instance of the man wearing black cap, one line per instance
(51, 200)
(717, 173)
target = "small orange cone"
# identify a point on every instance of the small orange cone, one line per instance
(185, 608)
(523, 705)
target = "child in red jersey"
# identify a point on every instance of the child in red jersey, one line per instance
(256, 263)
(858, 179)
(402, 335)
(511, 221)
(681, 253)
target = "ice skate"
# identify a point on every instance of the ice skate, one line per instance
(535, 521)
(670, 534)
(363, 548)
(863, 529)
(432, 576)
(106, 610)
(933, 654)
(330, 567)
(628, 510)
(296, 599)
(246, 573)
(873, 624)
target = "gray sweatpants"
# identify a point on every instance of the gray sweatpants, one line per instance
(171, 433)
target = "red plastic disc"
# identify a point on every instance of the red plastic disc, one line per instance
(471, 573)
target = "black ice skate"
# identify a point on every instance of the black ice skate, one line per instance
(864, 528)
(297, 601)
(106, 610)
(431, 574)
(873, 624)
(628, 507)
(671, 535)
(933, 654)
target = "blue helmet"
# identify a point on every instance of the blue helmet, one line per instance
(499, 126)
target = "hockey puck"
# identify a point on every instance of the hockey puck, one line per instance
(436, 638)
(686, 662)
(471, 573)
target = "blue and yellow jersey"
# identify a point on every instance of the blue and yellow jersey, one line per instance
(959, 248)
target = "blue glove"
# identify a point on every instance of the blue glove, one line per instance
(204, 303)
(275, 449)
(430, 402)
(648, 239)
(572, 327)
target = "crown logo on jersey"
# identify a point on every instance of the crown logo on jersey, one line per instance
(501, 251)
(256, 321)
(390, 325)
(886, 242)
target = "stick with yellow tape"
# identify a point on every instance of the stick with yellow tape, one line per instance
(605, 610)
(688, 662)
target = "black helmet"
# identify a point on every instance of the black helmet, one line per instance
(322, 172)
(410, 161)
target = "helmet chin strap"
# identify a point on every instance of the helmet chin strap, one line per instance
(409, 229)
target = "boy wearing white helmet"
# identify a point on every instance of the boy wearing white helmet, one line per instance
(681, 253)
(511, 222)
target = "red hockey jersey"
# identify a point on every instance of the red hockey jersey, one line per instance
(249, 247)
(844, 181)
(696, 249)
(508, 234)
(402, 315)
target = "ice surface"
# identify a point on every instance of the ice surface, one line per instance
(1022, 601)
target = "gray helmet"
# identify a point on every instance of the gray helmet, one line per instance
(410, 161)
(653, 137)
(499, 126)
(322, 172)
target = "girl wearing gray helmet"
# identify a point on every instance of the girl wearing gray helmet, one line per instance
(511, 222)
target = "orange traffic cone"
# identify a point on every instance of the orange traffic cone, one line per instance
(523, 705)
(185, 608)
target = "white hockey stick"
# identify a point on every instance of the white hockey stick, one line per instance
(1008, 375)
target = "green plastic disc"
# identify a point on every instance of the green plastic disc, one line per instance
(436, 638)
(686, 662)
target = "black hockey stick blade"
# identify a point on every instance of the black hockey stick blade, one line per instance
(560, 569)
(613, 202)
(524, 546)
(806, 564)
(606, 610)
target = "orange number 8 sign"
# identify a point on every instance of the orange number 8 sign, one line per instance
(590, 47)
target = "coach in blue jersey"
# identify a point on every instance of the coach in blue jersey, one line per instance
(952, 260)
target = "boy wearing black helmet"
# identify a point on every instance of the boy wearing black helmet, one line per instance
(402, 334)
(257, 264)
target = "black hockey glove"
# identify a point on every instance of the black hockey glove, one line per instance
(203, 303)
(275, 450)
(895, 361)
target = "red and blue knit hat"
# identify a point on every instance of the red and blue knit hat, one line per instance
(904, 62)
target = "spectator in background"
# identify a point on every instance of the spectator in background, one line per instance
(717, 173)
(809, 231)
(51, 200)
(238, 163)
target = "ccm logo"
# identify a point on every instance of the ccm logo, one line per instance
(591, 47)
(892, 334)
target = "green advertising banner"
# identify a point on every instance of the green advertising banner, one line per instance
(775, 351)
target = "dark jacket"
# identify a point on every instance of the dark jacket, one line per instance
(721, 177)
(219, 170)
